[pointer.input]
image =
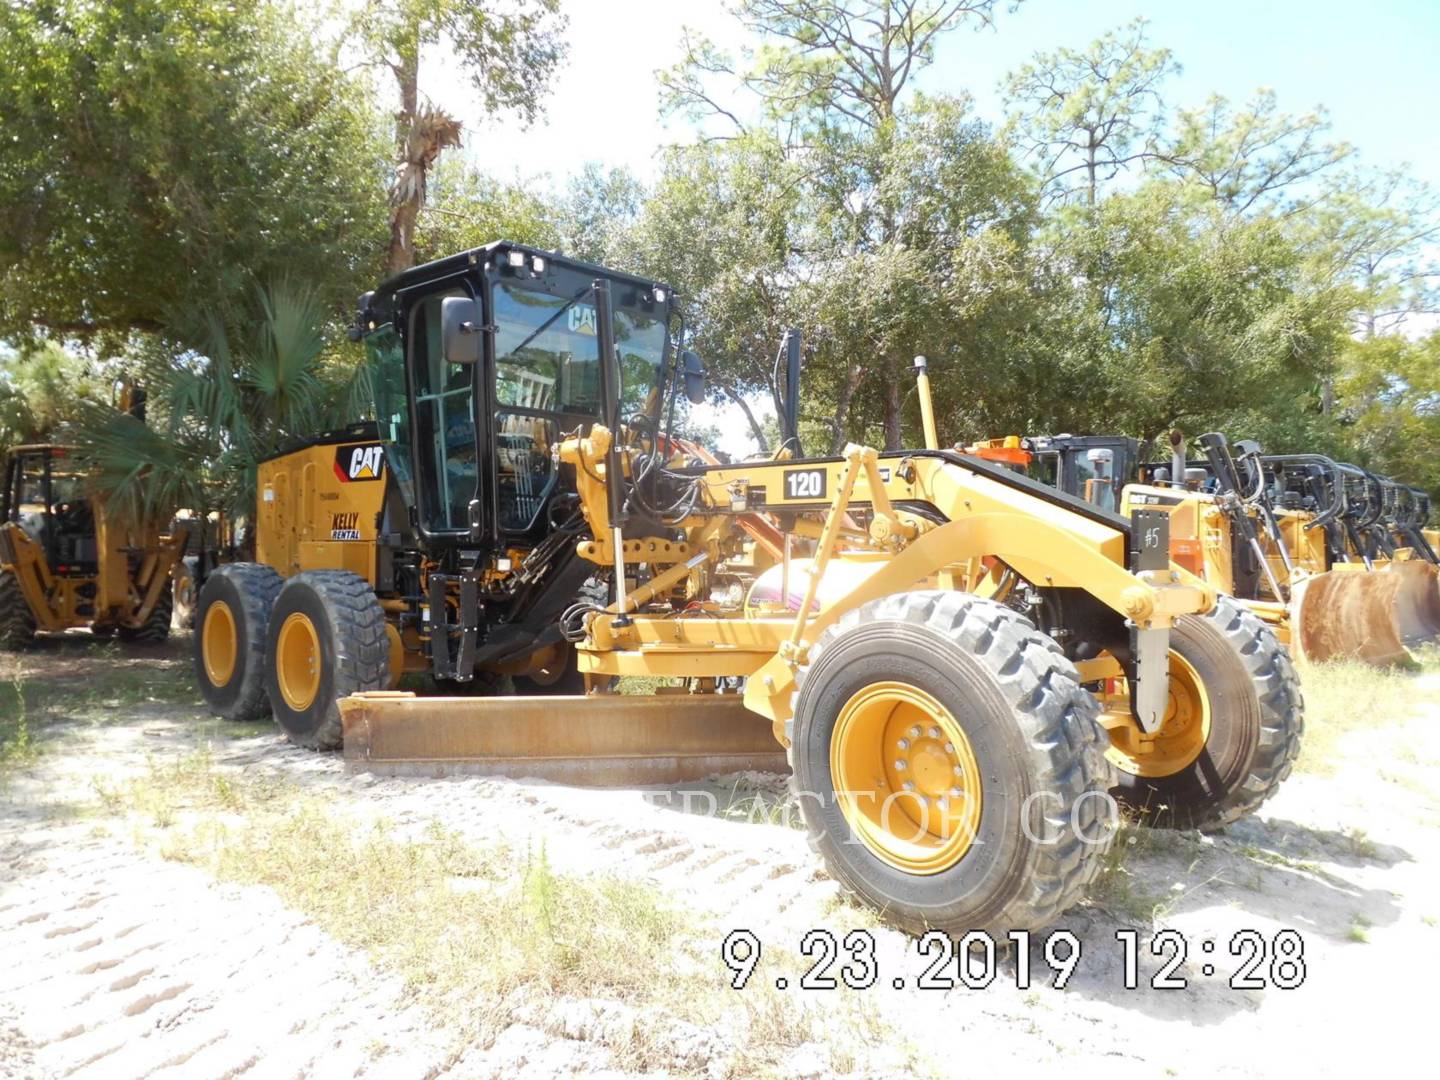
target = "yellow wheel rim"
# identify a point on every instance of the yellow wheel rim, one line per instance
(1182, 735)
(219, 643)
(906, 777)
(297, 661)
(397, 654)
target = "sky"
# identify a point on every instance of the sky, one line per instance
(1372, 64)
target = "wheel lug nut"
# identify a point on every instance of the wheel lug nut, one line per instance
(959, 770)
(955, 791)
(903, 744)
(909, 785)
(949, 748)
(934, 733)
(915, 732)
(900, 765)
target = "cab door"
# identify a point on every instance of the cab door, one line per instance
(445, 400)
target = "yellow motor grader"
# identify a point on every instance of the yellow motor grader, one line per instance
(528, 513)
(65, 562)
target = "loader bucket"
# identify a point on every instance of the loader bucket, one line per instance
(1376, 617)
(1418, 601)
(594, 741)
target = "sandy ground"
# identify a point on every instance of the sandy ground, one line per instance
(119, 963)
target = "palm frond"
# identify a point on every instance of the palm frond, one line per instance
(287, 340)
(139, 473)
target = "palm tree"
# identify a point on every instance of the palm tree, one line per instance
(241, 382)
(40, 392)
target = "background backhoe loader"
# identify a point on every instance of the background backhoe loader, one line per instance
(66, 562)
(521, 508)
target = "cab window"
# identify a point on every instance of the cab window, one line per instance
(444, 421)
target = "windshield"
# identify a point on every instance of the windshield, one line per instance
(547, 357)
(1095, 470)
(66, 485)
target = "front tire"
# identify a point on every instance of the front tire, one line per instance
(231, 618)
(326, 641)
(17, 622)
(963, 701)
(155, 630)
(1226, 749)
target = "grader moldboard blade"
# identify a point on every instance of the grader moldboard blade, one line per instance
(1373, 616)
(596, 740)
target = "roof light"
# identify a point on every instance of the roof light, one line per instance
(659, 295)
(537, 264)
(515, 259)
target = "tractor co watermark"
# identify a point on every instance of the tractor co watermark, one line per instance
(1044, 817)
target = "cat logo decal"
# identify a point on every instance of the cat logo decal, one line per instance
(365, 462)
(582, 319)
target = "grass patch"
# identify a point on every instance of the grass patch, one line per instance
(1120, 890)
(1345, 698)
(102, 687)
(17, 747)
(477, 932)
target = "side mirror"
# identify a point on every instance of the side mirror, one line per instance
(693, 369)
(460, 329)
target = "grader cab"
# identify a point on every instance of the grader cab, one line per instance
(66, 562)
(960, 663)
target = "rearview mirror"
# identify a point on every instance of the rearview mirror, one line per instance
(460, 329)
(693, 369)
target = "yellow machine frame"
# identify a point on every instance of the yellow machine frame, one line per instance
(986, 519)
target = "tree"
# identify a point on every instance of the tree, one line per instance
(1377, 230)
(719, 227)
(508, 49)
(43, 391)
(1252, 154)
(1191, 315)
(1093, 113)
(835, 83)
(231, 385)
(1389, 397)
(468, 208)
(156, 151)
(594, 212)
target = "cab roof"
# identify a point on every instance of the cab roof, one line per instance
(479, 256)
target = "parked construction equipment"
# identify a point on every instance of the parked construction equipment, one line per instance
(1366, 585)
(920, 651)
(67, 562)
(1291, 536)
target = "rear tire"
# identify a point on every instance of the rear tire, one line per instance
(326, 641)
(156, 629)
(1256, 718)
(17, 623)
(231, 617)
(1031, 750)
(183, 593)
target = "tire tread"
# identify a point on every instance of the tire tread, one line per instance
(1059, 723)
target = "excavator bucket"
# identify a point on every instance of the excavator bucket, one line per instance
(596, 740)
(1376, 616)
